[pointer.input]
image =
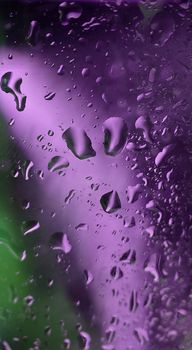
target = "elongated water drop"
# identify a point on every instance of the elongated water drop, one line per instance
(30, 226)
(32, 37)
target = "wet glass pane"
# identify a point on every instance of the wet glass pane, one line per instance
(95, 175)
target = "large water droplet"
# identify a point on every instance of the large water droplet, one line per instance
(133, 193)
(14, 90)
(79, 143)
(115, 135)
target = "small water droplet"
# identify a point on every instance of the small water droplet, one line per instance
(133, 303)
(60, 70)
(85, 72)
(14, 90)
(88, 277)
(28, 165)
(49, 96)
(84, 340)
(116, 273)
(67, 344)
(57, 163)
(82, 227)
(70, 196)
(30, 226)
(23, 255)
(29, 300)
(50, 132)
(33, 33)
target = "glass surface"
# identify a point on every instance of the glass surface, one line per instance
(95, 175)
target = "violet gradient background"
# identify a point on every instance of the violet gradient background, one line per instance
(126, 42)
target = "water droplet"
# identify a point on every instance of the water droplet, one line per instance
(88, 277)
(151, 267)
(5, 346)
(57, 163)
(69, 11)
(141, 335)
(85, 72)
(48, 330)
(115, 135)
(33, 33)
(19, 98)
(110, 202)
(70, 196)
(30, 226)
(84, 340)
(150, 231)
(28, 165)
(29, 300)
(116, 273)
(152, 74)
(12, 122)
(23, 255)
(133, 303)
(50, 132)
(49, 96)
(144, 124)
(67, 344)
(129, 257)
(82, 227)
(60, 241)
(133, 193)
(79, 143)
(60, 70)
(164, 154)
(107, 347)
(129, 222)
